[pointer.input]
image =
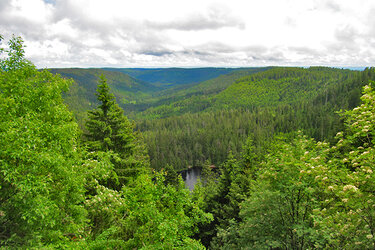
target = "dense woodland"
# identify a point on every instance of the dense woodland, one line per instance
(188, 124)
(294, 150)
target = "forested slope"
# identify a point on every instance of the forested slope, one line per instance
(185, 126)
(193, 138)
(81, 95)
(135, 95)
(248, 89)
(188, 98)
(173, 76)
(280, 86)
(280, 189)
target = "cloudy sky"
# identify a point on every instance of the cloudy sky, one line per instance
(192, 33)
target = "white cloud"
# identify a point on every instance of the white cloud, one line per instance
(82, 33)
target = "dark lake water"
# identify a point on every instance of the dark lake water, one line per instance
(191, 176)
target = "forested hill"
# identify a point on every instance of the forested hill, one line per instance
(81, 95)
(311, 100)
(247, 89)
(192, 123)
(188, 97)
(135, 94)
(280, 85)
(174, 76)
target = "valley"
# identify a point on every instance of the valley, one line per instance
(197, 125)
(292, 149)
(187, 123)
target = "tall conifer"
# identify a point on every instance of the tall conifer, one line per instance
(108, 129)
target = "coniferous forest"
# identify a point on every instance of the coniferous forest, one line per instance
(89, 158)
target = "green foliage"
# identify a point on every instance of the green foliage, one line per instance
(232, 106)
(81, 95)
(171, 176)
(278, 210)
(242, 88)
(222, 195)
(299, 99)
(189, 98)
(109, 130)
(309, 195)
(191, 139)
(146, 215)
(348, 209)
(51, 189)
(279, 86)
(41, 183)
(289, 193)
(16, 55)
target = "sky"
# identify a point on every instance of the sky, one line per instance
(192, 33)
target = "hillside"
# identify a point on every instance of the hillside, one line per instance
(247, 89)
(136, 95)
(81, 96)
(173, 76)
(280, 86)
(183, 98)
(312, 97)
(191, 123)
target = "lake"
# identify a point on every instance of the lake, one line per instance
(191, 176)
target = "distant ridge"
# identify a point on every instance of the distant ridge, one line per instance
(174, 76)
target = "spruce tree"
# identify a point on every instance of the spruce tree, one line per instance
(109, 130)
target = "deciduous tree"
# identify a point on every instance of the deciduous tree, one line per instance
(41, 179)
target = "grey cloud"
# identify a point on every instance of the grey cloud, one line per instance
(126, 41)
(269, 57)
(134, 34)
(326, 5)
(22, 28)
(196, 53)
(80, 21)
(263, 54)
(370, 21)
(223, 53)
(346, 40)
(216, 18)
(199, 53)
(304, 51)
(3, 5)
(217, 47)
(256, 49)
(346, 34)
(163, 52)
(222, 48)
(290, 22)
(119, 55)
(159, 52)
(138, 38)
(332, 5)
(63, 9)
(18, 26)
